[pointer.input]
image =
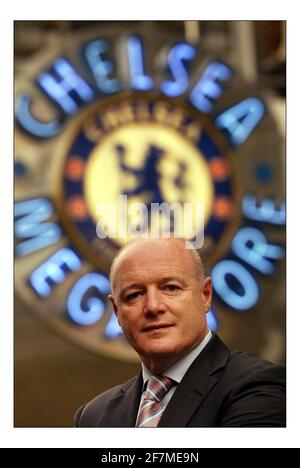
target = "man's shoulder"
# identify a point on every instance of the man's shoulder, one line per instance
(237, 364)
(236, 370)
(247, 365)
(248, 392)
(88, 413)
(247, 375)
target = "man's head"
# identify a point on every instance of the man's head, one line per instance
(160, 297)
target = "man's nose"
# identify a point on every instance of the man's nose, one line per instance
(154, 302)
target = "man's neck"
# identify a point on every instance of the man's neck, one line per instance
(159, 364)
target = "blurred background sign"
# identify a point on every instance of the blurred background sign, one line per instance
(158, 112)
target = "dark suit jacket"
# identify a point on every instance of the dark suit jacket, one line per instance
(221, 388)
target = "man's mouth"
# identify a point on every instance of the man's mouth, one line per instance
(157, 326)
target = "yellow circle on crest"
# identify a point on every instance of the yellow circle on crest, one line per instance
(122, 163)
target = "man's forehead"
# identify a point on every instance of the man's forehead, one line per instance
(156, 273)
(153, 273)
(157, 247)
(152, 256)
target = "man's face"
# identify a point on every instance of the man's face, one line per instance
(160, 301)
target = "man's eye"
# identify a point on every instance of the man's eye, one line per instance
(171, 287)
(132, 296)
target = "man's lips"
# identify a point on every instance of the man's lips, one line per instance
(157, 326)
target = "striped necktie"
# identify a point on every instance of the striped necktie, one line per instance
(151, 408)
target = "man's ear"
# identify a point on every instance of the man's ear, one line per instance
(115, 308)
(207, 293)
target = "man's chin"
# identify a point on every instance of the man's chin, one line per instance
(158, 348)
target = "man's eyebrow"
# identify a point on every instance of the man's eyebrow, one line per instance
(130, 286)
(166, 279)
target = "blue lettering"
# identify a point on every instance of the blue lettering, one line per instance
(100, 67)
(60, 89)
(139, 80)
(240, 120)
(208, 88)
(178, 54)
(31, 227)
(242, 298)
(112, 329)
(212, 321)
(31, 124)
(265, 212)
(251, 245)
(83, 307)
(52, 271)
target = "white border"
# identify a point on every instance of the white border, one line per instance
(189, 9)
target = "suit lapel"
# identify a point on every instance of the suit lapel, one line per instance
(198, 381)
(123, 408)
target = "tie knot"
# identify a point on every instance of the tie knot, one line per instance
(158, 386)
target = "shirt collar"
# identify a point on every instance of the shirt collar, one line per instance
(179, 368)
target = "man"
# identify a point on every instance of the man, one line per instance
(189, 377)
